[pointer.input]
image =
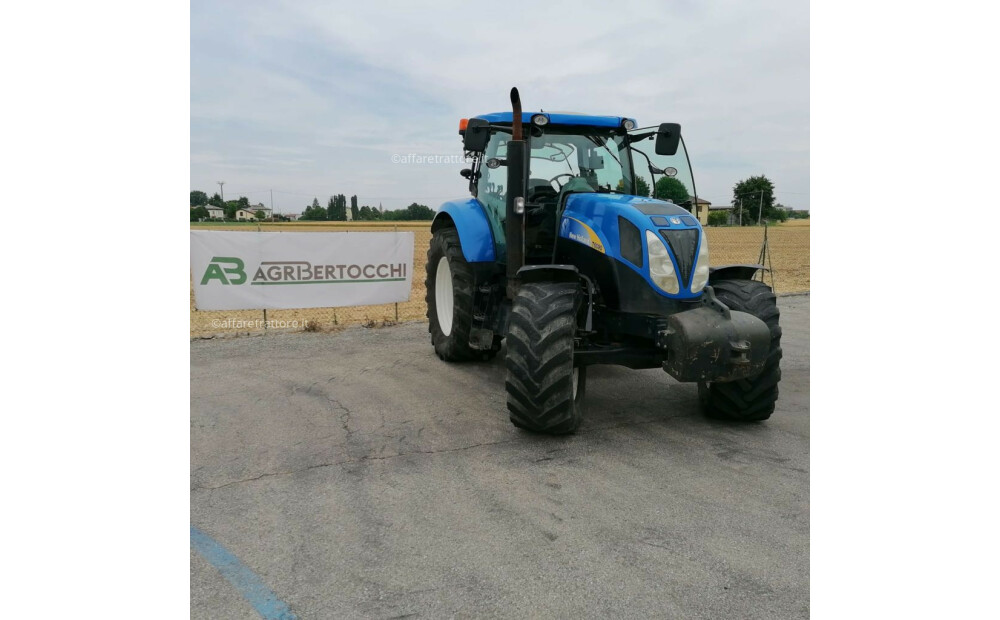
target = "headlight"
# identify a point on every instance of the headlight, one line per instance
(661, 268)
(700, 278)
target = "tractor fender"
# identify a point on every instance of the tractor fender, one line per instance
(734, 272)
(548, 273)
(468, 217)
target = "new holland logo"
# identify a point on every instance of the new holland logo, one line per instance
(231, 270)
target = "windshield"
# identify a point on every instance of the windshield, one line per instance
(667, 177)
(588, 159)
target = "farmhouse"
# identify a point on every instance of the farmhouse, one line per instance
(701, 211)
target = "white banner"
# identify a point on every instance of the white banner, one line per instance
(284, 270)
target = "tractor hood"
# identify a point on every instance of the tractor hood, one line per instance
(616, 225)
(645, 206)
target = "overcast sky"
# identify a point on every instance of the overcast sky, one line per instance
(312, 99)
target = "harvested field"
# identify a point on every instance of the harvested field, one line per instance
(788, 242)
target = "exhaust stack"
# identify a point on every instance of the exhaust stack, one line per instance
(516, 164)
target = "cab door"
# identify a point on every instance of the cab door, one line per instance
(491, 193)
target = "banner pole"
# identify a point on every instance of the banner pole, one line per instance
(397, 303)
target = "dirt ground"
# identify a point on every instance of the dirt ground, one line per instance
(356, 475)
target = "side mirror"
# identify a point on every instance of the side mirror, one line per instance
(668, 136)
(466, 172)
(477, 135)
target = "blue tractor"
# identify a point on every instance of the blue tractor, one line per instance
(578, 247)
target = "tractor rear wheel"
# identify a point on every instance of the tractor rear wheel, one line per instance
(449, 298)
(747, 400)
(544, 389)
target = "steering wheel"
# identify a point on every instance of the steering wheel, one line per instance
(564, 174)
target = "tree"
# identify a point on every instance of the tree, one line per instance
(419, 212)
(780, 212)
(199, 198)
(718, 218)
(672, 189)
(641, 187)
(355, 212)
(199, 213)
(230, 207)
(414, 212)
(260, 214)
(753, 197)
(314, 212)
(338, 208)
(216, 201)
(365, 213)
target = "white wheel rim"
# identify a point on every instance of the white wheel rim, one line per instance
(444, 296)
(576, 381)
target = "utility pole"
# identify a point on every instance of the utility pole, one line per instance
(221, 195)
(272, 204)
(760, 209)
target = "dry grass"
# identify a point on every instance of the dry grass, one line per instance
(789, 245)
(789, 249)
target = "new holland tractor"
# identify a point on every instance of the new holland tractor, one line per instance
(562, 251)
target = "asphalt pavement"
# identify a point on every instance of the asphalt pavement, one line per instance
(355, 475)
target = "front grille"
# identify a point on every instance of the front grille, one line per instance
(683, 244)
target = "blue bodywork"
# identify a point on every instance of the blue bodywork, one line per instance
(600, 212)
(588, 217)
(478, 245)
(559, 118)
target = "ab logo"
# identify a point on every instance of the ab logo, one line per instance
(217, 272)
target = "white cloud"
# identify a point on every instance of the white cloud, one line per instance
(314, 99)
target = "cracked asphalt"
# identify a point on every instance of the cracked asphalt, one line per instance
(360, 477)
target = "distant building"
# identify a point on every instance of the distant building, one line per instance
(701, 211)
(251, 213)
(214, 211)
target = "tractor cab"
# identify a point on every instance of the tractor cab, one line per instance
(571, 154)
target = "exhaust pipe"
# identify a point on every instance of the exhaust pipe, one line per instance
(516, 174)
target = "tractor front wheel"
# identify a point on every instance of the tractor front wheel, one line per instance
(747, 400)
(449, 298)
(544, 389)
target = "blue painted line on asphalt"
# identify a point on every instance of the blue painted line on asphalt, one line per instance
(249, 584)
